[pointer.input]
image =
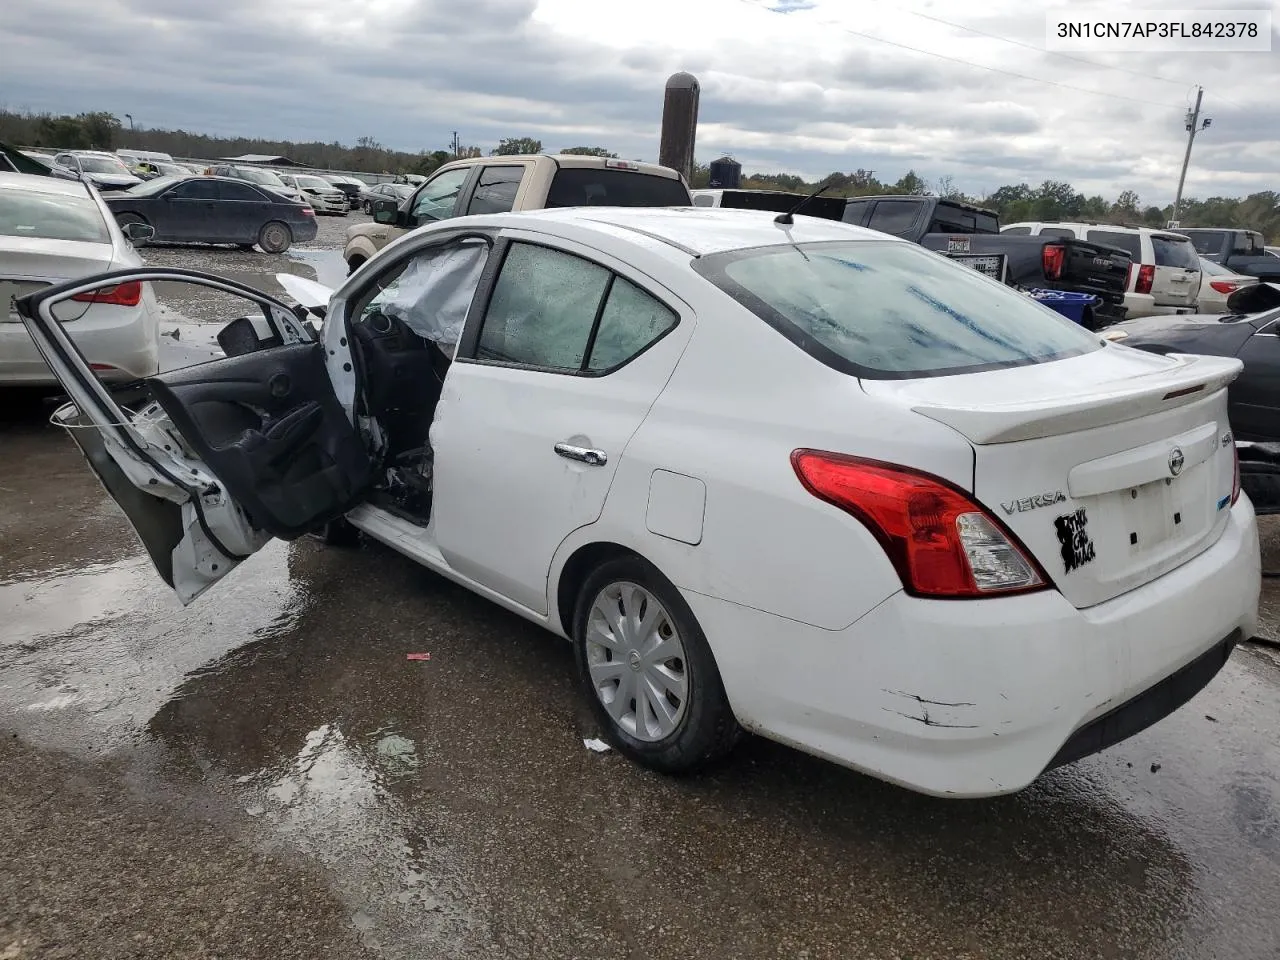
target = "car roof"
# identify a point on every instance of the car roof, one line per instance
(39, 184)
(695, 231)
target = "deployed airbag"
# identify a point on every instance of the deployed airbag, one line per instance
(433, 293)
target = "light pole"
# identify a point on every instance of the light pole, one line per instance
(129, 117)
(1194, 126)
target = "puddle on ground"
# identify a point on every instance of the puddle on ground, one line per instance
(336, 800)
(88, 655)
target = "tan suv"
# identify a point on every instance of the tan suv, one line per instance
(502, 184)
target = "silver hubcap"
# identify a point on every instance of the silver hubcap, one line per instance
(636, 661)
(275, 236)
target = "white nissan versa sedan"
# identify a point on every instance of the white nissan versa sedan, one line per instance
(805, 480)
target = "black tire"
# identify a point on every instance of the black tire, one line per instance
(368, 206)
(275, 237)
(354, 264)
(339, 533)
(707, 731)
(124, 219)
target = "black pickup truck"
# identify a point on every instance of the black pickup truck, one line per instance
(972, 235)
(1243, 251)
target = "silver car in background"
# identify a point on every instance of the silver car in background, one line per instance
(53, 230)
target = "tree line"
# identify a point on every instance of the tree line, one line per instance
(1051, 200)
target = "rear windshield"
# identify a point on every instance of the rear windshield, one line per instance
(592, 187)
(49, 216)
(1130, 243)
(1213, 269)
(892, 310)
(1208, 241)
(949, 219)
(1175, 252)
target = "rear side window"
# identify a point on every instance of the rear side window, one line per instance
(892, 310)
(49, 216)
(1175, 252)
(894, 216)
(239, 191)
(1131, 243)
(496, 190)
(1208, 242)
(592, 187)
(704, 201)
(198, 189)
(556, 311)
(1065, 232)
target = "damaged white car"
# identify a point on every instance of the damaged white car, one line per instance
(801, 479)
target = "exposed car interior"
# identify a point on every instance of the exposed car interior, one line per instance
(404, 330)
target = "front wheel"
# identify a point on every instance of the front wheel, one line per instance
(648, 671)
(275, 237)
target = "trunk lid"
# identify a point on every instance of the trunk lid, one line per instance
(1112, 468)
(31, 263)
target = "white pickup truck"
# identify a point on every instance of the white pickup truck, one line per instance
(528, 182)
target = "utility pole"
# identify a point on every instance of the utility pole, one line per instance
(1194, 126)
(456, 146)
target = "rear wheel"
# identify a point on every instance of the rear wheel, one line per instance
(648, 671)
(354, 264)
(275, 237)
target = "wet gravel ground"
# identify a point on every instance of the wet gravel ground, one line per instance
(264, 774)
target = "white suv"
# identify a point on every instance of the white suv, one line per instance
(1165, 276)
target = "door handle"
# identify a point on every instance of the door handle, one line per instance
(595, 458)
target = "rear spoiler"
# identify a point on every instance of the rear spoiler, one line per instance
(1194, 378)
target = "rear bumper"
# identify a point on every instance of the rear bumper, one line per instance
(1144, 305)
(978, 698)
(125, 340)
(1148, 707)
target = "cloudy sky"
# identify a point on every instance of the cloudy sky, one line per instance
(800, 86)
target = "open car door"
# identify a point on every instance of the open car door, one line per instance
(211, 461)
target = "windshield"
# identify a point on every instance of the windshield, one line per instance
(51, 216)
(313, 183)
(264, 177)
(892, 310)
(102, 165)
(172, 170)
(149, 188)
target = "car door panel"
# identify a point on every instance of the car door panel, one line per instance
(270, 427)
(283, 457)
(524, 456)
(1255, 396)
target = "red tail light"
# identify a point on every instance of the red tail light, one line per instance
(1225, 286)
(308, 212)
(1146, 277)
(1235, 478)
(1054, 257)
(121, 295)
(942, 544)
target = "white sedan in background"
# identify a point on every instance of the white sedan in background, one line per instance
(54, 230)
(1217, 284)
(801, 479)
(323, 196)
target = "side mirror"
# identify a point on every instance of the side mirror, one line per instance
(386, 211)
(139, 232)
